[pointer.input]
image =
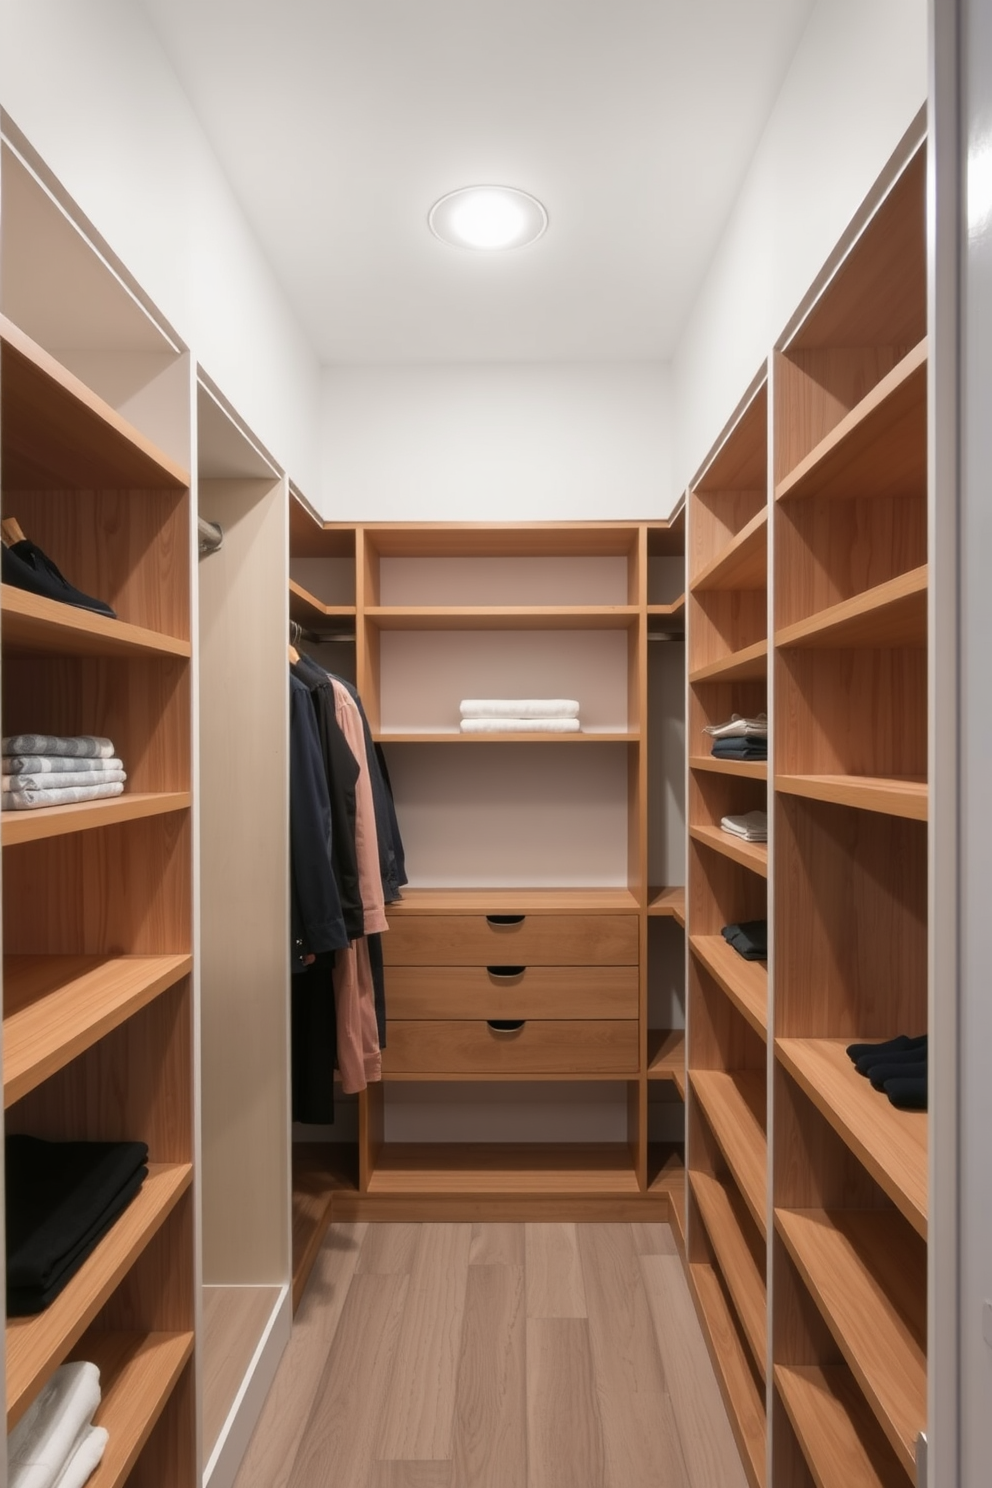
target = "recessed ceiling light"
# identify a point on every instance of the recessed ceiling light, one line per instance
(488, 217)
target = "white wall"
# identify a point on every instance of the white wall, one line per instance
(94, 94)
(496, 442)
(857, 80)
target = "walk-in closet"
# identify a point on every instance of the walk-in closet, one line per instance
(494, 833)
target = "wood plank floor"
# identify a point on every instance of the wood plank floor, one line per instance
(495, 1356)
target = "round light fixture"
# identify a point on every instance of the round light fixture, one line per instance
(488, 218)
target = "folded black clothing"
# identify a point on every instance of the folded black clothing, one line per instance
(868, 1062)
(62, 1197)
(908, 1093)
(749, 939)
(25, 566)
(895, 1045)
(879, 1074)
(740, 749)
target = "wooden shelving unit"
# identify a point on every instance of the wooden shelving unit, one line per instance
(752, 855)
(840, 1438)
(97, 1005)
(741, 1391)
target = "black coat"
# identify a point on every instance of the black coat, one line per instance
(317, 921)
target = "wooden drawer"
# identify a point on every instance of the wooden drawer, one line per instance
(538, 1047)
(525, 940)
(511, 992)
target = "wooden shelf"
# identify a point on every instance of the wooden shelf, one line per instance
(748, 665)
(890, 795)
(892, 1144)
(138, 1372)
(745, 982)
(513, 901)
(504, 539)
(734, 1106)
(840, 1438)
(666, 1056)
(666, 1174)
(37, 1345)
(673, 611)
(307, 610)
(30, 625)
(503, 617)
(725, 1217)
(57, 1006)
(743, 564)
(318, 1175)
(454, 736)
(524, 1168)
(753, 855)
(879, 448)
(57, 821)
(58, 435)
(891, 614)
(747, 769)
(745, 1407)
(867, 1274)
(668, 901)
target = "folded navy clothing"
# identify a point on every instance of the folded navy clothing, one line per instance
(899, 1044)
(908, 1092)
(61, 1199)
(868, 1062)
(740, 749)
(749, 939)
(881, 1074)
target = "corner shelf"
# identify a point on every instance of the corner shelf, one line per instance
(668, 902)
(747, 769)
(734, 1106)
(307, 610)
(138, 1372)
(753, 855)
(745, 1407)
(743, 564)
(891, 795)
(666, 1056)
(17, 827)
(318, 1175)
(666, 1175)
(32, 625)
(724, 1216)
(840, 1438)
(744, 982)
(747, 665)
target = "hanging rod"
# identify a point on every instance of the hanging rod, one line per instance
(211, 535)
(298, 632)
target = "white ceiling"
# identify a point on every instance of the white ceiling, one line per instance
(339, 123)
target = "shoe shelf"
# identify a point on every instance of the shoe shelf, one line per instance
(840, 1438)
(33, 625)
(745, 1406)
(748, 664)
(744, 982)
(892, 796)
(733, 1103)
(742, 1267)
(745, 769)
(743, 563)
(18, 827)
(668, 901)
(55, 1007)
(666, 1056)
(892, 1144)
(866, 1272)
(138, 1372)
(753, 855)
(37, 1345)
(891, 614)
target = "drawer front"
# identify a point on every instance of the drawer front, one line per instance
(529, 940)
(511, 992)
(538, 1047)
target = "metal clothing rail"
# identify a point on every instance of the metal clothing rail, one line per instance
(211, 536)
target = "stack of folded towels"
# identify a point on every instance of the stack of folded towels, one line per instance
(898, 1066)
(752, 826)
(55, 1444)
(740, 738)
(51, 770)
(62, 1198)
(749, 939)
(520, 716)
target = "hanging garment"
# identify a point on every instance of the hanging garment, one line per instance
(366, 843)
(392, 867)
(317, 924)
(359, 1058)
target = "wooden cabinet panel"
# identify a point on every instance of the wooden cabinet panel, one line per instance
(520, 940)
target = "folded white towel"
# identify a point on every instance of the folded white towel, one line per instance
(65, 780)
(79, 746)
(521, 726)
(86, 1458)
(739, 728)
(32, 800)
(54, 764)
(519, 708)
(752, 826)
(46, 1436)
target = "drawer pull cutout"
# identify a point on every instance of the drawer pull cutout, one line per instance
(506, 973)
(499, 921)
(505, 1026)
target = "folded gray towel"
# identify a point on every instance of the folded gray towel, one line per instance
(66, 780)
(80, 746)
(54, 764)
(33, 800)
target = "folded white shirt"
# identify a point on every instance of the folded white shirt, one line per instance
(86, 1458)
(521, 726)
(752, 826)
(739, 728)
(77, 746)
(53, 1428)
(18, 800)
(64, 780)
(54, 764)
(519, 708)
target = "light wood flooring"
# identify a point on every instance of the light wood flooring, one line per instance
(495, 1356)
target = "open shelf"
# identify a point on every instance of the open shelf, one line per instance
(753, 855)
(891, 795)
(745, 1407)
(531, 1168)
(747, 769)
(57, 1006)
(725, 1217)
(503, 617)
(840, 1438)
(666, 1056)
(512, 901)
(743, 564)
(320, 1170)
(138, 1372)
(307, 610)
(31, 625)
(745, 982)
(891, 614)
(891, 1143)
(37, 1345)
(454, 736)
(879, 447)
(56, 821)
(747, 665)
(673, 611)
(734, 1106)
(668, 901)
(867, 1274)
